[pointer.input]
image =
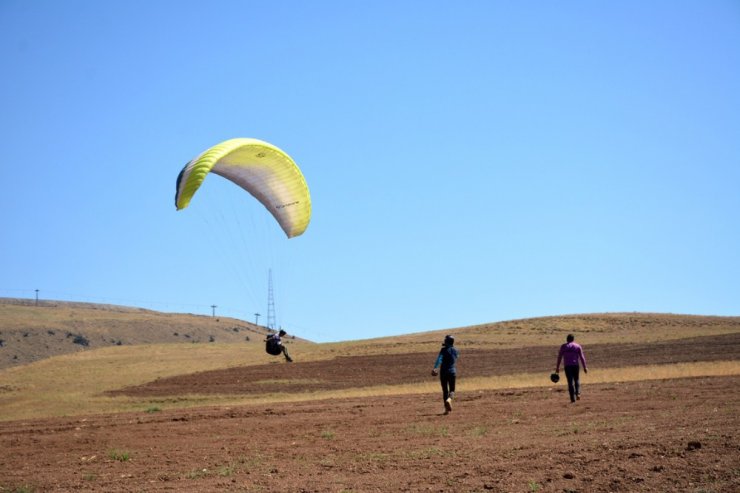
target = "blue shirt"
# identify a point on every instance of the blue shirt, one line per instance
(447, 357)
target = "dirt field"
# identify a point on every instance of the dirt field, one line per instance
(677, 435)
(660, 435)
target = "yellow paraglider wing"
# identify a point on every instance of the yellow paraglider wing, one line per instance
(261, 169)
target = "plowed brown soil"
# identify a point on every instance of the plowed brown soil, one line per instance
(363, 371)
(660, 435)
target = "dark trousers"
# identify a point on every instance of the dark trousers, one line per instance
(574, 386)
(448, 384)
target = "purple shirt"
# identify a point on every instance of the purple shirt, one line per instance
(570, 354)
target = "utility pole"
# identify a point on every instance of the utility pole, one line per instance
(270, 304)
(213, 313)
(256, 319)
(37, 297)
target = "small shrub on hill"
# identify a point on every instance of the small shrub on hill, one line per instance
(78, 339)
(81, 340)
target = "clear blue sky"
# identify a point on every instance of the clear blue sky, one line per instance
(469, 162)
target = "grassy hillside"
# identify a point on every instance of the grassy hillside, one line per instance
(31, 333)
(79, 379)
(606, 328)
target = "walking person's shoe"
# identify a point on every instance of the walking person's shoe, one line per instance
(448, 405)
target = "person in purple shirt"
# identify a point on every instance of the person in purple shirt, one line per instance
(571, 353)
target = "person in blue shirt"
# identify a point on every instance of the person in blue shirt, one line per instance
(445, 368)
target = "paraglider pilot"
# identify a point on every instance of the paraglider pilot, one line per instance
(274, 345)
(445, 368)
(571, 353)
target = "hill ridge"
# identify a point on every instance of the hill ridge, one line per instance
(31, 332)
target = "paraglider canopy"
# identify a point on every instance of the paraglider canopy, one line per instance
(260, 168)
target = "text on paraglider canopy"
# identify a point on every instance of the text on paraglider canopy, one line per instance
(283, 206)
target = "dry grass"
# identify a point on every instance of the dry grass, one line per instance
(611, 375)
(74, 384)
(33, 333)
(608, 328)
(467, 386)
(528, 380)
